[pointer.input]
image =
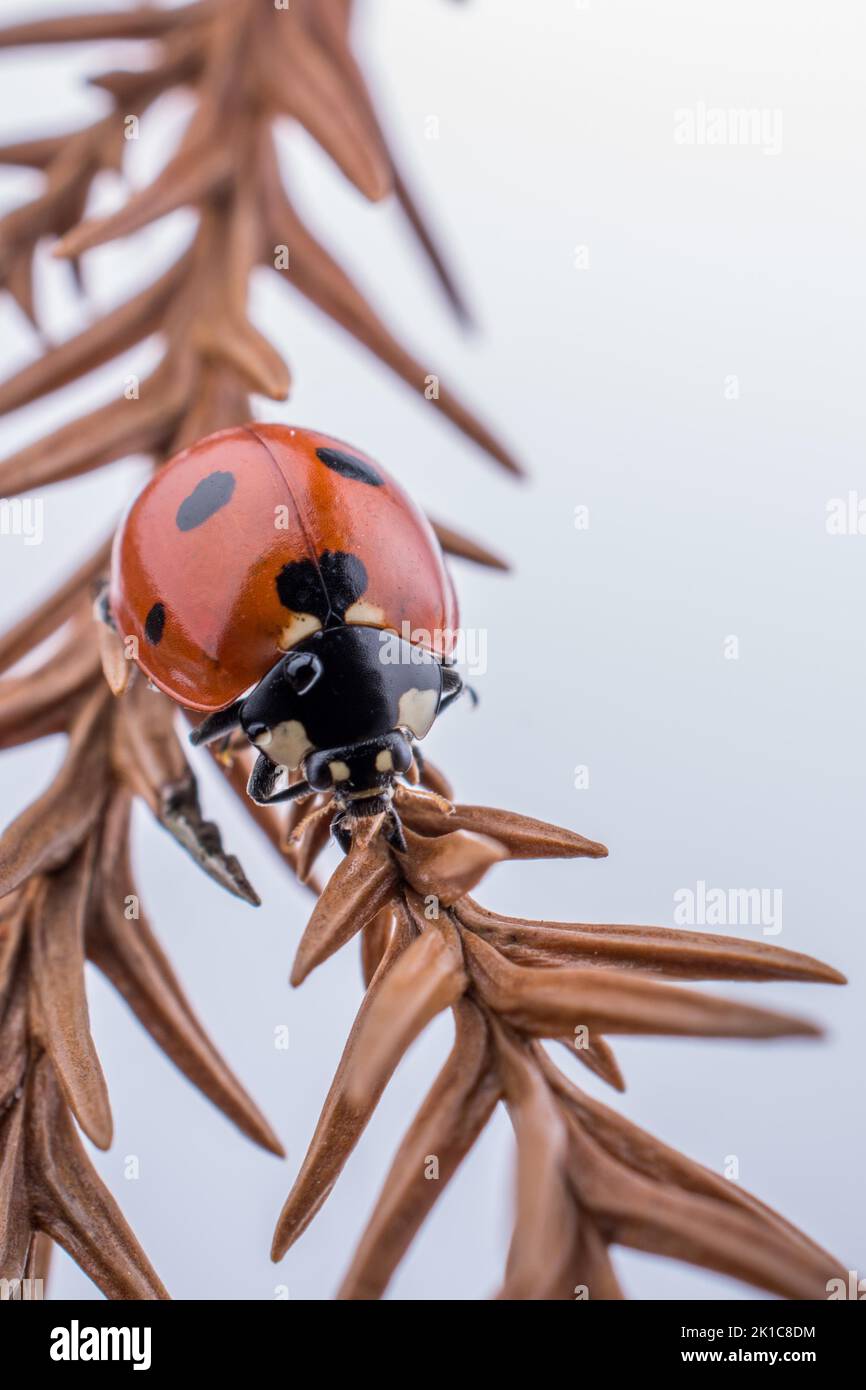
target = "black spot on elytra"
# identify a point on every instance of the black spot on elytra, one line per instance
(154, 624)
(300, 588)
(326, 590)
(207, 497)
(348, 466)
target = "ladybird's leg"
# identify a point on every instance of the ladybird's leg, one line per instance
(394, 834)
(263, 779)
(101, 609)
(217, 725)
(181, 815)
(340, 833)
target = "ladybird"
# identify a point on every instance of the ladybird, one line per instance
(280, 581)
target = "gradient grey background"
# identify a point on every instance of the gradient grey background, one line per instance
(707, 518)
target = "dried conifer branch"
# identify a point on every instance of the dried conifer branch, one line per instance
(247, 64)
(586, 1179)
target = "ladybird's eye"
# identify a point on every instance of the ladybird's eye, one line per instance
(302, 671)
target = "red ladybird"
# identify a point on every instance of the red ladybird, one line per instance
(282, 581)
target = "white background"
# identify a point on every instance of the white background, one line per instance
(707, 519)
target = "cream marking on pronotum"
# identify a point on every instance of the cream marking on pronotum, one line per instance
(287, 743)
(417, 710)
(340, 771)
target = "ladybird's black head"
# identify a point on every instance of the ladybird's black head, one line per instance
(359, 768)
(344, 706)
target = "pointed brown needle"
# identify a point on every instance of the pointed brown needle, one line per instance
(428, 977)
(546, 1224)
(53, 826)
(62, 1020)
(547, 1003)
(451, 1119)
(675, 954)
(358, 889)
(339, 1128)
(72, 1206)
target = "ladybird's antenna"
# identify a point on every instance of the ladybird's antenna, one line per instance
(419, 758)
(453, 686)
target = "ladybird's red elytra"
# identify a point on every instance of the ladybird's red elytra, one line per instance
(268, 576)
(255, 537)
